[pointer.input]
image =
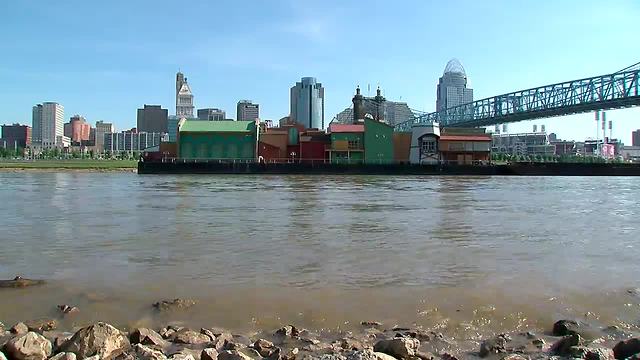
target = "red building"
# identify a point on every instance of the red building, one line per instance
(16, 136)
(77, 129)
(313, 146)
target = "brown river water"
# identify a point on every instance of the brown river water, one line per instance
(458, 254)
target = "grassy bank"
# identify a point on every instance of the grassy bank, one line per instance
(78, 164)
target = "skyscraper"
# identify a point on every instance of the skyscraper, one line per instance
(152, 118)
(211, 114)
(307, 103)
(247, 111)
(452, 88)
(48, 124)
(184, 97)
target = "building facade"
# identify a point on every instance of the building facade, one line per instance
(152, 119)
(535, 143)
(635, 138)
(48, 124)
(131, 141)
(347, 144)
(184, 97)
(78, 130)
(218, 140)
(307, 103)
(101, 129)
(247, 111)
(378, 142)
(15, 136)
(452, 88)
(211, 114)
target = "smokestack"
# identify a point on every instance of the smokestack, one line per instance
(535, 128)
(610, 129)
(542, 129)
(504, 128)
(604, 123)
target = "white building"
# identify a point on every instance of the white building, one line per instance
(452, 87)
(48, 125)
(184, 97)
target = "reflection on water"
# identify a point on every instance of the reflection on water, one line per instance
(280, 247)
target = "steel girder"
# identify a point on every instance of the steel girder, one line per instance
(613, 91)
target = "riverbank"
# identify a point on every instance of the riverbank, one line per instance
(70, 165)
(62, 339)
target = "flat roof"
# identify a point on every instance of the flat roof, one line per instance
(217, 126)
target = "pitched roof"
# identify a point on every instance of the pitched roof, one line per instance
(218, 126)
(346, 128)
(465, 138)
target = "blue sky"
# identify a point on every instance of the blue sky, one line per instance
(105, 59)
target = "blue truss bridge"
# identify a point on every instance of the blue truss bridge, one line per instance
(612, 91)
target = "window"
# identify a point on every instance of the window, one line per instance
(354, 144)
(428, 146)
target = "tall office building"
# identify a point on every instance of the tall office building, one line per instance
(212, 114)
(307, 103)
(152, 118)
(184, 97)
(247, 111)
(48, 124)
(452, 88)
(101, 129)
(635, 138)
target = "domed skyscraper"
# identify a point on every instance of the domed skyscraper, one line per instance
(452, 88)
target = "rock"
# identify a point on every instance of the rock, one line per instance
(94, 357)
(58, 341)
(19, 328)
(514, 357)
(2, 357)
(20, 282)
(188, 336)
(627, 348)
(563, 346)
(232, 355)
(99, 339)
(67, 309)
(567, 327)
(182, 356)
(209, 333)
(175, 304)
(209, 354)
(539, 343)
(146, 336)
(635, 292)
(371, 323)
(264, 348)
(368, 355)
(126, 355)
(64, 356)
(424, 356)
(383, 356)
(147, 353)
(348, 343)
(42, 325)
(288, 331)
(167, 332)
(588, 353)
(221, 341)
(401, 348)
(30, 346)
(496, 345)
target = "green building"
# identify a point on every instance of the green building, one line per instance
(218, 140)
(378, 142)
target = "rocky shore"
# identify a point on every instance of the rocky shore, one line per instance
(42, 339)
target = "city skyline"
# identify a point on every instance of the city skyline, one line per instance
(325, 37)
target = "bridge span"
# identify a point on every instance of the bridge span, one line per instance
(612, 91)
